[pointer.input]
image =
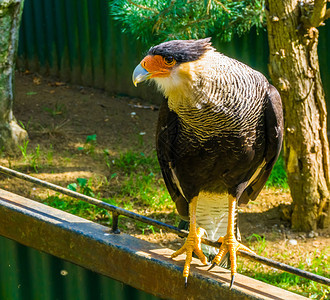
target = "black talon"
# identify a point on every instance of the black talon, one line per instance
(232, 281)
(185, 282)
(213, 265)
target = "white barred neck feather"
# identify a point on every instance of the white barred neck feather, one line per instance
(180, 86)
(217, 88)
(213, 79)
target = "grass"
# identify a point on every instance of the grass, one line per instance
(316, 262)
(31, 158)
(130, 161)
(90, 145)
(140, 180)
(135, 183)
(76, 207)
(57, 109)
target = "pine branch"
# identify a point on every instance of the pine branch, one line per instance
(224, 7)
(143, 7)
(155, 21)
(200, 20)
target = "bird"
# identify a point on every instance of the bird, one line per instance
(218, 136)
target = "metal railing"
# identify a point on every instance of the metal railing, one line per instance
(117, 211)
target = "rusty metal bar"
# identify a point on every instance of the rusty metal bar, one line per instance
(115, 220)
(137, 263)
(116, 211)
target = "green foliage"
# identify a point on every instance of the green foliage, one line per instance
(23, 149)
(140, 180)
(31, 93)
(146, 189)
(260, 245)
(76, 207)
(90, 144)
(50, 155)
(35, 158)
(131, 161)
(317, 263)
(25, 126)
(31, 158)
(156, 21)
(278, 178)
(291, 282)
(83, 186)
(91, 139)
(58, 109)
(146, 228)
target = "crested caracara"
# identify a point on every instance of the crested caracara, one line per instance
(219, 134)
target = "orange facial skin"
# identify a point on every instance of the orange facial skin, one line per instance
(157, 65)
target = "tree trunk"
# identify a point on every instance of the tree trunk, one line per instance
(10, 17)
(294, 70)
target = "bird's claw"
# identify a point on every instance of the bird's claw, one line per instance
(212, 266)
(232, 281)
(192, 244)
(231, 245)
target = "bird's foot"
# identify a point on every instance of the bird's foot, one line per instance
(192, 244)
(231, 245)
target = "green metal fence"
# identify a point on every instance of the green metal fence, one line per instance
(78, 41)
(28, 274)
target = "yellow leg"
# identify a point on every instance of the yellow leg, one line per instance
(193, 241)
(229, 242)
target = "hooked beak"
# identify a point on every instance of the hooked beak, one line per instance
(140, 74)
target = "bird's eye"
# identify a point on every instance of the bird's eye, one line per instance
(169, 60)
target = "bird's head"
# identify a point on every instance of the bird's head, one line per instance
(171, 61)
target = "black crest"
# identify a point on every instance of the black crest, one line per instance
(182, 50)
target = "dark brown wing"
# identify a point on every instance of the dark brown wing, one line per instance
(167, 152)
(274, 138)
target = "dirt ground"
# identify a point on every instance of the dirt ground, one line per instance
(58, 117)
